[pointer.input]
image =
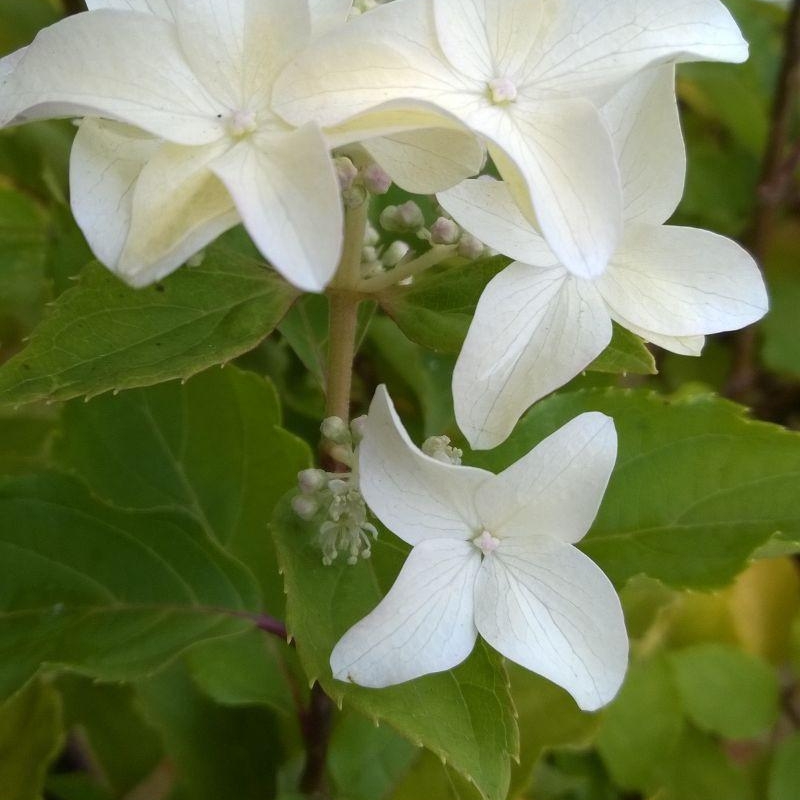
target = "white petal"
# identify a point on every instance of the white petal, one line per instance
(487, 39)
(646, 129)
(600, 43)
(423, 625)
(683, 282)
(106, 160)
(159, 8)
(413, 495)
(385, 55)
(430, 160)
(288, 196)
(546, 606)
(563, 155)
(486, 208)
(556, 489)
(534, 330)
(126, 67)
(327, 15)
(237, 47)
(179, 207)
(682, 345)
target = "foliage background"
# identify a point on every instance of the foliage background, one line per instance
(135, 558)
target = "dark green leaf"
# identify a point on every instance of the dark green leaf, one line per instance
(107, 593)
(626, 354)
(211, 448)
(31, 734)
(103, 335)
(437, 309)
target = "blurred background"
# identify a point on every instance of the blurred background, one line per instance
(711, 710)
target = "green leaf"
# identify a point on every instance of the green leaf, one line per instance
(218, 752)
(429, 778)
(305, 328)
(212, 448)
(700, 770)
(464, 716)
(437, 309)
(642, 727)
(26, 438)
(366, 761)
(103, 592)
(108, 721)
(31, 734)
(426, 375)
(726, 691)
(103, 335)
(548, 718)
(784, 774)
(697, 487)
(21, 20)
(781, 350)
(626, 354)
(248, 671)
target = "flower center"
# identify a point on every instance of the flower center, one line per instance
(502, 91)
(242, 122)
(486, 543)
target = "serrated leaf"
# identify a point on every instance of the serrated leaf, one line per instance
(212, 448)
(698, 486)
(725, 691)
(31, 734)
(102, 335)
(626, 354)
(465, 716)
(107, 593)
(437, 308)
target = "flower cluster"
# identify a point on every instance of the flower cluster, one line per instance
(288, 116)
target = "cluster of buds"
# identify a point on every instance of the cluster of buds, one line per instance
(408, 218)
(440, 448)
(333, 500)
(357, 184)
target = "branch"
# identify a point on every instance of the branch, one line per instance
(776, 174)
(316, 726)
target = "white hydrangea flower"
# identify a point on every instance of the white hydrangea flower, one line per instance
(538, 323)
(526, 76)
(197, 76)
(492, 555)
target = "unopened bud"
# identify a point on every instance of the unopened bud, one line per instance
(334, 429)
(358, 427)
(376, 179)
(355, 196)
(369, 255)
(312, 481)
(470, 247)
(445, 231)
(346, 172)
(395, 253)
(371, 236)
(342, 453)
(305, 507)
(407, 217)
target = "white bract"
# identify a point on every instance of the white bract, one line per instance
(539, 323)
(197, 76)
(524, 74)
(492, 554)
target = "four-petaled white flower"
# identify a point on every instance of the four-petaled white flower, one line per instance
(527, 75)
(493, 554)
(197, 76)
(539, 323)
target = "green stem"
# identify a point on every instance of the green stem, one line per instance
(400, 273)
(341, 351)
